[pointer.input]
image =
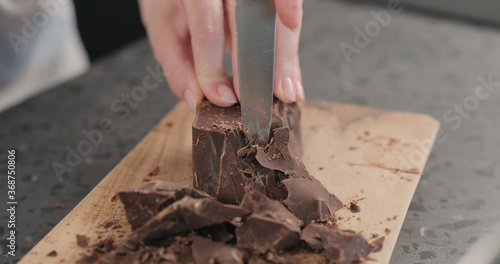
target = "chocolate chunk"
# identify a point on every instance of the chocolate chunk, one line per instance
(142, 203)
(187, 214)
(309, 200)
(354, 207)
(270, 227)
(82, 240)
(377, 244)
(261, 233)
(224, 159)
(207, 251)
(259, 204)
(344, 247)
(52, 253)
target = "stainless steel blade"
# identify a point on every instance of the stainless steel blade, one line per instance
(256, 36)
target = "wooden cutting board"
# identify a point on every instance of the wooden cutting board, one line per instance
(371, 156)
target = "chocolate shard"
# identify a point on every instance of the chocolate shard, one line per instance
(270, 227)
(188, 214)
(207, 251)
(224, 161)
(142, 203)
(277, 156)
(309, 200)
(339, 247)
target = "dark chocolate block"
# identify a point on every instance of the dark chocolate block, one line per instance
(225, 161)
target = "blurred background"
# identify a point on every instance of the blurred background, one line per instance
(96, 19)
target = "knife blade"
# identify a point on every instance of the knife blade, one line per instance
(256, 37)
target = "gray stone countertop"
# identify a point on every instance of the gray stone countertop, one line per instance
(411, 62)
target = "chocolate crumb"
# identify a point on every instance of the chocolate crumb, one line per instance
(388, 219)
(60, 205)
(395, 217)
(320, 168)
(82, 240)
(169, 124)
(114, 197)
(52, 253)
(107, 224)
(387, 231)
(352, 148)
(354, 207)
(367, 133)
(375, 235)
(155, 171)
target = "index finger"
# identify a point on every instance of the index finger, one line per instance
(290, 12)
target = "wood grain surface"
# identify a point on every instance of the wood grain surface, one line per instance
(371, 156)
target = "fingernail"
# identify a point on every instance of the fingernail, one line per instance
(190, 100)
(226, 94)
(288, 90)
(300, 91)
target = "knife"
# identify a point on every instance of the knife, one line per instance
(256, 37)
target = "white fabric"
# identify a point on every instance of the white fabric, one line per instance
(31, 63)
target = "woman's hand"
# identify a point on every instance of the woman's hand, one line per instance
(189, 38)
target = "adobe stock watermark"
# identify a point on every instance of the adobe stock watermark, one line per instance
(33, 25)
(373, 28)
(454, 116)
(121, 106)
